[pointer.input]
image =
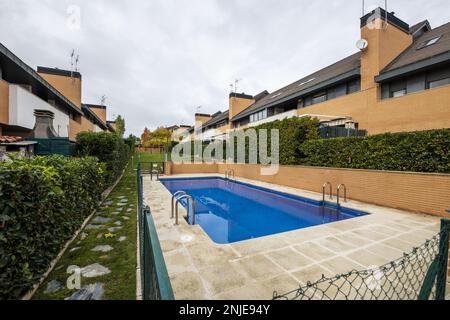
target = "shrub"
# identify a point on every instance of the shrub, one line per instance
(44, 200)
(108, 148)
(292, 132)
(426, 151)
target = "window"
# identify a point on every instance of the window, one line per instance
(439, 83)
(429, 42)
(258, 116)
(354, 86)
(321, 97)
(399, 93)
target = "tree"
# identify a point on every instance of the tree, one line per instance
(120, 126)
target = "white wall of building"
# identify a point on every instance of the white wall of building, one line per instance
(22, 104)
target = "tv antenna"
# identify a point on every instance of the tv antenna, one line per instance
(234, 86)
(74, 59)
(103, 100)
(198, 109)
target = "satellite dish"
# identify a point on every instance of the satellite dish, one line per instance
(362, 44)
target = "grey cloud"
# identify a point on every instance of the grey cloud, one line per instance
(158, 60)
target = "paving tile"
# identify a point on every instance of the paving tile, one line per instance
(222, 278)
(178, 262)
(205, 255)
(188, 286)
(336, 245)
(311, 274)
(252, 291)
(281, 284)
(259, 245)
(340, 265)
(289, 259)
(257, 267)
(368, 259)
(314, 251)
(385, 251)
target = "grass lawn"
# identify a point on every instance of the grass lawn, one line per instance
(149, 157)
(120, 284)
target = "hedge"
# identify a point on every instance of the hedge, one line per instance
(292, 133)
(425, 151)
(44, 201)
(108, 148)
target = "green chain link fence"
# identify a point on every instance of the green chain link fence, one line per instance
(155, 280)
(418, 275)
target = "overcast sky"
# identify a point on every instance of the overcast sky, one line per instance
(158, 60)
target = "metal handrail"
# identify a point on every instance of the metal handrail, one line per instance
(323, 190)
(157, 174)
(229, 173)
(185, 196)
(180, 192)
(339, 191)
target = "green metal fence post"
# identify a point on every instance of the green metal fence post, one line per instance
(441, 280)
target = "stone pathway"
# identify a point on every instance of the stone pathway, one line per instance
(105, 228)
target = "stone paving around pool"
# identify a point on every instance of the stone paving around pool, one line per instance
(254, 269)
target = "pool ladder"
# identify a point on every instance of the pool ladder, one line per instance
(179, 196)
(229, 173)
(324, 187)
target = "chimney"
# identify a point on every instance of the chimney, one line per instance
(239, 102)
(66, 82)
(387, 37)
(43, 127)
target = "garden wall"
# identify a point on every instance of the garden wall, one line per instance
(416, 192)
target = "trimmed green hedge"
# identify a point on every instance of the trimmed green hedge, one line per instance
(425, 151)
(108, 148)
(292, 133)
(44, 200)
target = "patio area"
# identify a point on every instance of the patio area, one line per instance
(254, 269)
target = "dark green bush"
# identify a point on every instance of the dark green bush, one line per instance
(425, 151)
(108, 148)
(292, 133)
(44, 200)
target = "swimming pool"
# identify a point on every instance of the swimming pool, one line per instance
(231, 211)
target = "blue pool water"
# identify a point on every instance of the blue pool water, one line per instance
(231, 211)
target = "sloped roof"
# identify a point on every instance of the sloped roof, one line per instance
(220, 116)
(88, 112)
(348, 67)
(414, 53)
(418, 26)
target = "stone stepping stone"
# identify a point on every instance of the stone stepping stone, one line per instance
(122, 204)
(129, 210)
(74, 249)
(125, 218)
(94, 270)
(90, 292)
(114, 229)
(115, 213)
(53, 286)
(118, 223)
(121, 197)
(108, 203)
(93, 227)
(101, 220)
(122, 239)
(102, 248)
